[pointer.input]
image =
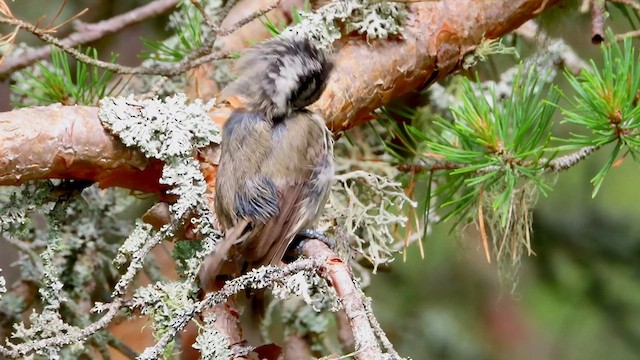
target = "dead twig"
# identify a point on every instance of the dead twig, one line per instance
(87, 33)
(597, 21)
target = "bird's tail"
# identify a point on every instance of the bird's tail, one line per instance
(212, 264)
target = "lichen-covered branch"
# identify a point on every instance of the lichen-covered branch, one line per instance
(436, 37)
(337, 273)
(256, 279)
(70, 142)
(367, 75)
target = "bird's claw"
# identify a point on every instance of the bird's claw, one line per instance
(295, 249)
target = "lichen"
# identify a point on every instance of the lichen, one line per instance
(366, 207)
(172, 131)
(134, 242)
(376, 19)
(309, 287)
(160, 129)
(212, 343)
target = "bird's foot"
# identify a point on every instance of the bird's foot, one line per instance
(295, 248)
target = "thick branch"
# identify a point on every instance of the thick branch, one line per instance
(437, 36)
(68, 142)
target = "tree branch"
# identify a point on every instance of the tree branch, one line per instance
(72, 144)
(434, 42)
(336, 272)
(200, 56)
(87, 33)
(69, 142)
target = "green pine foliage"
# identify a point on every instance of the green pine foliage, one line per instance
(277, 25)
(606, 105)
(488, 159)
(188, 25)
(56, 82)
(493, 144)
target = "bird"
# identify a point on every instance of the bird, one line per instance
(276, 163)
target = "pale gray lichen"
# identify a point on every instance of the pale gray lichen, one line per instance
(374, 18)
(61, 239)
(311, 288)
(160, 129)
(17, 204)
(44, 325)
(162, 302)
(187, 182)
(259, 278)
(367, 207)
(378, 19)
(211, 342)
(171, 131)
(134, 242)
(51, 291)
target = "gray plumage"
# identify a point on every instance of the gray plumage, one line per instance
(276, 165)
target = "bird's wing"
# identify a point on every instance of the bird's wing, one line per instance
(244, 197)
(242, 189)
(300, 152)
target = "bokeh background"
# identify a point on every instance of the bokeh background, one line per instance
(578, 298)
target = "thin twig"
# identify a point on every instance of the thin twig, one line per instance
(567, 161)
(205, 16)
(248, 19)
(597, 21)
(634, 33)
(230, 288)
(121, 347)
(21, 350)
(87, 33)
(542, 7)
(558, 164)
(199, 57)
(388, 346)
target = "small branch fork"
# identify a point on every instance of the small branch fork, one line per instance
(318, 256)
(556, 165)
(597, 8)
(92, 32)
(87, 33)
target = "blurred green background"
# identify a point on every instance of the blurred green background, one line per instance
(577, 298)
